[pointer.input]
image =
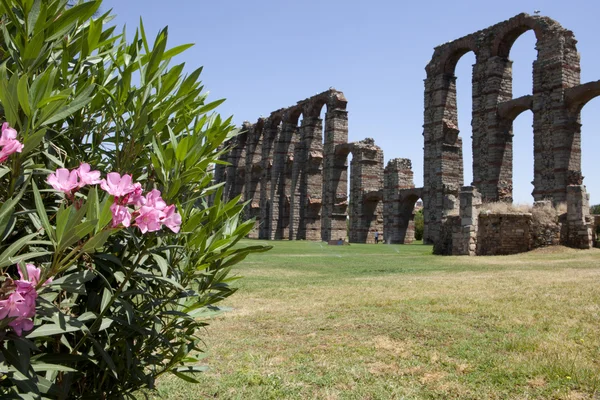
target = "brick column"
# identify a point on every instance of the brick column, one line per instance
(267, 205)
(253, 176)
(335, 177)
(464, 242)
(579, 220)
(298, 186)
(366, 191)
(397, 223)
(312, 183)
(443, 161)
(281, 182)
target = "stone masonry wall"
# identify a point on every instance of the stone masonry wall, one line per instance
(366, 194)
(399, 198)
(556, 100)
(292, 167)
(501, 234)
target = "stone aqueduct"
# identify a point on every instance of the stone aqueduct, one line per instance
(296, 180)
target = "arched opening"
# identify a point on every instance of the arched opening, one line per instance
(408, 231)
(590, 141)
(464, 112)
(522, 137)
(521, 50)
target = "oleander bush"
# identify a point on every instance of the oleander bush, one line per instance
(111, 256)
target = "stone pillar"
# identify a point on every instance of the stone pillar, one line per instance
(254, 172)
(335, 176)
(281, 181)
(312, 132)
(398, 222)
(557, 147)
(492, 137)
(297, 165)
(443, 162)
(579, 220)
(267, 206)
(366, 191)
(464, 242)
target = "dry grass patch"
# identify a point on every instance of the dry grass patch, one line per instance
(391, 322)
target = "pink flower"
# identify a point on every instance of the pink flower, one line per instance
(12, 147)
(8, 134)
(13, 306)
(121, 215)
(86, 176)
(8, 142)
(20, 304)
(33, 273)
(154, 200)
(64, 180)
(116, 185)
(20, 325)
(149, 219)
(136, 197)
(172, 219)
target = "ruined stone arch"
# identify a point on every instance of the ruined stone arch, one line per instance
(509, 31)
(577, 97)
(555, 70)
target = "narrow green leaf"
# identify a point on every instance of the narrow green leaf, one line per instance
(41, 212)
(23, 94)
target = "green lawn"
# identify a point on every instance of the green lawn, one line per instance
(312, 321)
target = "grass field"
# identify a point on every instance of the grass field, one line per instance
(312, 321)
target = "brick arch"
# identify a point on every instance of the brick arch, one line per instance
(292, 114)
(577, 97)
(508, 32)
(454, 56)
(510, 110)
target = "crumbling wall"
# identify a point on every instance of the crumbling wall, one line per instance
(502, 234)
(579, 220)
(400, 196)
(366, 191)
(289, 171)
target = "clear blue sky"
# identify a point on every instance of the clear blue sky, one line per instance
(263, 55)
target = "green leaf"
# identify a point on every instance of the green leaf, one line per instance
(78, 103)
(23, 257)
(68, 18)
(39, 367)
(33, 15)
(73, 282)
(105, 214)
(183, 376)
(55, 329)
(32, 141)
(23, 95)
(15, 247)
(41, 212)
(97, 241)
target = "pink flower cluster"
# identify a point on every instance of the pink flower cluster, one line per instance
(150, 211)
(20, 304)
(8, 142)
(71, 181)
